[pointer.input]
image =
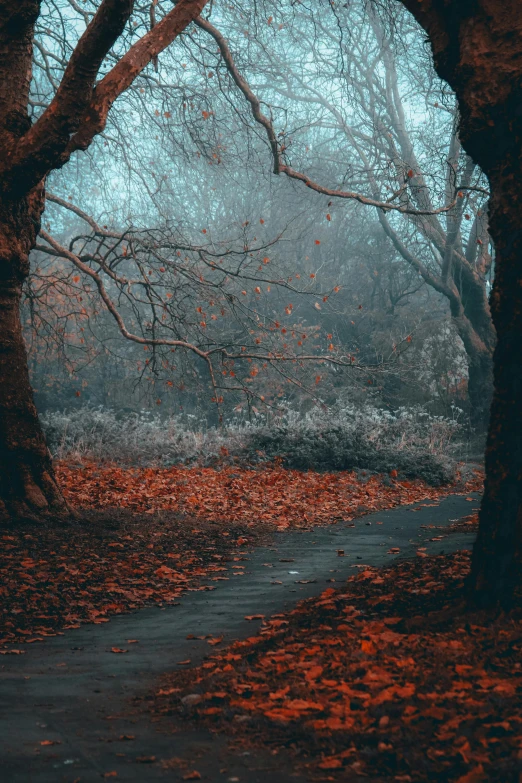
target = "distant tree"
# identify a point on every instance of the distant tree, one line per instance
(356, 101)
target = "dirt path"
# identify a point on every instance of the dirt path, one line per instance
(63, 692)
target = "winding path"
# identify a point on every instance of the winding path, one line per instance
(65, 689)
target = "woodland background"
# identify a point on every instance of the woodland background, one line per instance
(351, 318)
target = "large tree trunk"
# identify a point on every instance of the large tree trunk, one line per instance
(476, 47)
(498, 550)
(28, 488)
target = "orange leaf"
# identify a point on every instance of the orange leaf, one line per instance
(331, 763)
(475, 775)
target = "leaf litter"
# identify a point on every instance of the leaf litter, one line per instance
(387, 678)
(270, 494)
(146, 535)
(55, 578)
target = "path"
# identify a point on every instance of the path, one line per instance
(64, 689)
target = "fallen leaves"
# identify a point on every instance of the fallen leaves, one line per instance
(105, 564)
(216, 640)
(112, 562)
(271, 494)
(383, 678)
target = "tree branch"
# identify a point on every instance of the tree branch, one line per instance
(277, 153)
(240, 81)
(17, 20)
(79, 107)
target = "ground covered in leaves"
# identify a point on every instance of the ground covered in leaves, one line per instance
(271, 494)
(102, 564)
(385, 679)
(143, 536)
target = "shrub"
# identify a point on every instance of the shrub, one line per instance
(409, 441)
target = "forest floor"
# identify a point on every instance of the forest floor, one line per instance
(146, 536)
(387, 678)
(96, 701)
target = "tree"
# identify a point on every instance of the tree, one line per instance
(230, 304)
(477, 50)
(163, 292)
(357, 101)
(29, 152)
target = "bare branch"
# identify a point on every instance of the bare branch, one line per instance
(277, 153)
(240, 81)
(81, 108)
(111, 307)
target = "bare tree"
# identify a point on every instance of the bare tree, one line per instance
(359, 118)
(229, 303)
(77, 111)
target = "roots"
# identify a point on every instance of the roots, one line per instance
(29, 491)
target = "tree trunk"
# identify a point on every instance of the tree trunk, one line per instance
(28, 488)
(476, 48)
(480, 389)
(480, 377)
(498, 550)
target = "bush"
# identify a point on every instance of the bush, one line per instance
(409, 441)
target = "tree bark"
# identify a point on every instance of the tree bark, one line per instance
(497, 554)
(78, 111)
(28, 487)
(480, 376)
(480, 390)
(476, 48)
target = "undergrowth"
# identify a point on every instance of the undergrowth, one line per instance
(409, 441)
